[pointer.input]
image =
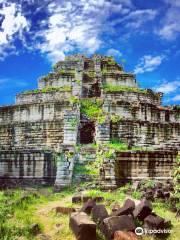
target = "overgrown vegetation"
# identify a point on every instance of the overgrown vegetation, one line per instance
(115, 118)
(117, 145)
(88, 169)
(78, 81)
(115, 88)
(92, 108)
(109, 197)
(66, 72)
(74, 100)
(136, 195)
(120, 146)
(73, 122)
(150, 183)
(111, 61)
(16, 214)
(49, 89)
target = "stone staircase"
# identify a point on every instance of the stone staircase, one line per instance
(65, 166)
(67, 152)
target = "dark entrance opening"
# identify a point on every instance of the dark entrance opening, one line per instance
(87, 131)
(95, 90)
(167, 116)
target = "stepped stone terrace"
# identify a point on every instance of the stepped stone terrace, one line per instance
(88, 120)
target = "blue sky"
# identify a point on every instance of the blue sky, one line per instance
(34, 34)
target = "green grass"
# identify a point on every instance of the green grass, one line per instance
(19, 209)
(117, 145)
(148, 183)
(110, 197)
(90, 168)
(16, 214)
(162, 210)
(136, 195)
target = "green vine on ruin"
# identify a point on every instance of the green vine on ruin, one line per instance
(92, 108)
(49, 89)
(114, 88)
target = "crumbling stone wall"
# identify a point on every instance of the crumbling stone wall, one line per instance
(26, 167)
(39, 135)
(33, 125)
(35, 135)
(102, 135)
(130, 96)
(141, 111)
(139, 165)
(52, 96)
(136, 165)
(33, 112)
(144, 133)
(119, 78)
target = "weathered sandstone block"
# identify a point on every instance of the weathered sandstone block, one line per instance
(82, 226)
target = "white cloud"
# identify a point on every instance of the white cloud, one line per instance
(136, 18)
(80, 25)
(148, 63)
(139, 17)
(71, 28)
(176, 98)
(168, 87)
(68, 26)
(13, 23)
(170, 24)
(114, 52)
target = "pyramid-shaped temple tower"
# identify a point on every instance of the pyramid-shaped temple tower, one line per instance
(87, 121)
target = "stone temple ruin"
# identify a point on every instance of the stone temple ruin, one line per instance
(87, 120)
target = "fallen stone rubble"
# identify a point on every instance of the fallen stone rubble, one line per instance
(120, 224)
(78, 198)
(156, 190)
(82, 226)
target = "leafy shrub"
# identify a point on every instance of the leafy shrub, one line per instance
(74, 100)
(115, 118)
(104, 71)
(136, 195)
(78, 81)
(89, 169)
(92, 108)
(150, 183)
